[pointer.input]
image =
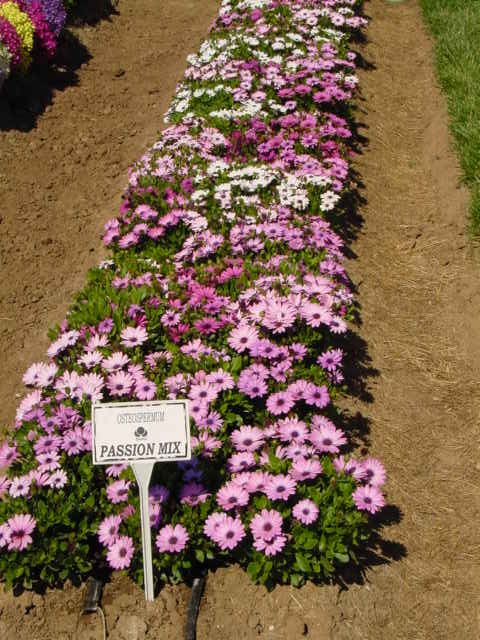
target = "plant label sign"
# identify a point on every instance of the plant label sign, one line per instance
(141, 433)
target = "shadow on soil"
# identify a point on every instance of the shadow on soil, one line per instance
(359, 370)
(25, 98)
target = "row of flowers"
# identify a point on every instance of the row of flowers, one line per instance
(225, 286)
(28, 29)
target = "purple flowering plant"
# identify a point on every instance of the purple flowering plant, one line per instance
(225, 286)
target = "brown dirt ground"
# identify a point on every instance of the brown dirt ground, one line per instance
(418, 287)
(62, 173)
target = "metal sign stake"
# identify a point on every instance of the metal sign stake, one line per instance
(143, 473)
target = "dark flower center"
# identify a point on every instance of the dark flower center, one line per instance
(173, 540)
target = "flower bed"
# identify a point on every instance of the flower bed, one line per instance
(28, 28)
(225, 286)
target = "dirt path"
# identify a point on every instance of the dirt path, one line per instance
(60, 181)
(420, 306)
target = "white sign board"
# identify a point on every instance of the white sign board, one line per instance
(140, 431)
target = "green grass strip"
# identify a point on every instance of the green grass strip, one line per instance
(455, 25)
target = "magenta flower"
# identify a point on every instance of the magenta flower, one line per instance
(368, 498)
(133, 336)
(120, 553)
(267, 524)
(172, 539)
(20, 527)
(306, 511)
(108, 530)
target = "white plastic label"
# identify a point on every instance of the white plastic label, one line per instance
(140, 431)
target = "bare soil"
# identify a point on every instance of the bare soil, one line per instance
(418, 400)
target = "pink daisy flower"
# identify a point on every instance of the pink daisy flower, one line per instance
(267, 524)
(20, 527)
(280, 487)
(326, 437)
(118, 491)
(145, 389)
(374, 472)
(108, 530)
(231, 496)
(4, 535)
(57, 480)
(257, 481)
(172, 539)
(247, 438)
(317, 396)
(20, 487)
(305, 469)
(242, 337)
(241, 461)
(280, 402)
(222, 379)
(229, 533)
(212, 524)
(120, 383)
(270, 547)
(8, 455)
(368, 498)
(306, 511)
(133, 336)
(292, 429)
(120, 553)
(115, 362)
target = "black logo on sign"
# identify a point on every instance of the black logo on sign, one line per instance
(140, 433)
